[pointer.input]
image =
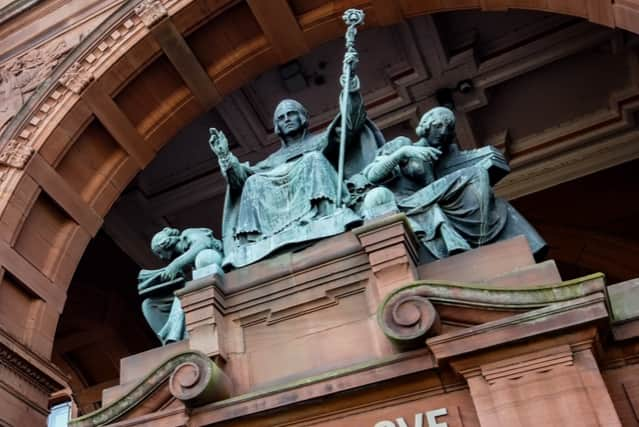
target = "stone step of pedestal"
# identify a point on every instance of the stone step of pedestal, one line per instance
(482, 264)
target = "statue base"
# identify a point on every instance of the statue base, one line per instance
(339, 221)
(356, 320)
(209, 270)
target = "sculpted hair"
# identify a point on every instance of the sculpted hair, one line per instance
(162, 240)
(289, 104)
(443, 113)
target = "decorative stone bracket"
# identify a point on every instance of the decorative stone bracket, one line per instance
(192, 378)
(198, 381)
(407, 315)
(407, 318)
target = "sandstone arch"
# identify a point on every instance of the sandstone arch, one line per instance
(102, 116)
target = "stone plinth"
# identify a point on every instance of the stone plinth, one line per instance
(353, 330)
(392, 251)
(201, 301)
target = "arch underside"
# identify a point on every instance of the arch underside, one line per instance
(144, 74)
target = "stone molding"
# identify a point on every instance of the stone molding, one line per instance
(151, 12)
(27, 371)
(16, 154)
(516, 367)
(76, 78)
(15, 8)
(306, 390)
(202, 303)
(392, 250)
(214, 307)
(481, 294)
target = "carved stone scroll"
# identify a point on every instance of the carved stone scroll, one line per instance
(407, 318)
(191, 375)
(199, 381)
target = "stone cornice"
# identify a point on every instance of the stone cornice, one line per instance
(310, 389)
(30, 367)
(553, 318)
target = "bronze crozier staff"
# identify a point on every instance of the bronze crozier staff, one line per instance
(352, 18)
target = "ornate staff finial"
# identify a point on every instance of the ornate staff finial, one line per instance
(353, 17)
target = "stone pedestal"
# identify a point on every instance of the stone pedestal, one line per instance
(201, 301)
(353, 330)
(392, 251)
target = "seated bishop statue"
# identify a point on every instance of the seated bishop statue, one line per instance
(291, 196)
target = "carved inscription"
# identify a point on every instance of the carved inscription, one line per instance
(431, 420)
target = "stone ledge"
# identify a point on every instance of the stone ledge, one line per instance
(320, 386)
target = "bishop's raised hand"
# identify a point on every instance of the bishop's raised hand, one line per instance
(218, 143)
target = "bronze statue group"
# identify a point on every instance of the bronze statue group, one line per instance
(319, 185)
